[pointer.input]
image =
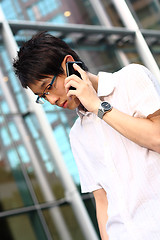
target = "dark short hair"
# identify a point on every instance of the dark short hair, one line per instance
(41, 56)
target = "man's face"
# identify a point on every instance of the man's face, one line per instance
(56, 94)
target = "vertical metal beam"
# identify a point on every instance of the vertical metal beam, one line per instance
(101, 13)
(140, 42)
(105, 21)
(71, 190)
(157, 4)
(48, 194)
(72, 194)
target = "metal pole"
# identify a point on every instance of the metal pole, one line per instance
(157, 4)
(101, 13)
(105, 21)
(48, 194)
(72, 194)
(76, 201)
(140, 42)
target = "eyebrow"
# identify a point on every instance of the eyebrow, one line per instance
(41, 86)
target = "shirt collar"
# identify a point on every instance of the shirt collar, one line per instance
(82, 111)
(106, 84)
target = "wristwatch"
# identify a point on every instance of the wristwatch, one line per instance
(104, 108)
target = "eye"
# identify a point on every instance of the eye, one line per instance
(43, 96)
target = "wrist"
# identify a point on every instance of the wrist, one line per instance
(97, 105)
(104, 107)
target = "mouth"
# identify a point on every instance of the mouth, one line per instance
(64, 104)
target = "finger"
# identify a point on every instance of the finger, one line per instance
(69, 84)
(72, 77)
(80, 70)
(71, 93)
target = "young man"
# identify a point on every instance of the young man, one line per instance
(115, 140)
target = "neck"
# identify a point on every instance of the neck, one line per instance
(94, 80)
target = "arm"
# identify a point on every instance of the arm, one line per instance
(101, 211)
(143, 131)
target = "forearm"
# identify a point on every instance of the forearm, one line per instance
(101, 211)
(139, 130)
(144, 132)
(102, 229)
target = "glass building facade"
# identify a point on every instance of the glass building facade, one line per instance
(39, 184)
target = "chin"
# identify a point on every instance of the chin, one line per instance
(74, 103)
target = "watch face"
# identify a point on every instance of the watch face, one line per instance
(106, 106)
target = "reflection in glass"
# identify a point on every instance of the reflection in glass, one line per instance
(70, 221)
(22, 227)
(45, 161)
(155, 48)
(14, 192)
(130, 51)
(148, 12)
(112, 13)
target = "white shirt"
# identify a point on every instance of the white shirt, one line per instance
(129, 174)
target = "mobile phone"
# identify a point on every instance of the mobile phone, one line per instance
(70, 70)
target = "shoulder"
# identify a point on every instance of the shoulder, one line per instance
(75, 127)
(133, 68)
(130, 73)
(136, 74)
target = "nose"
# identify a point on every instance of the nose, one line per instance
(52, 98)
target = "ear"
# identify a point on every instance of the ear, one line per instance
(67, 58)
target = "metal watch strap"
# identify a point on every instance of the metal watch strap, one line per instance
(100, 113)
(104, 109)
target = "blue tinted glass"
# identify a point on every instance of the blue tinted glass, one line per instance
(49, 166)
(17, 6)
(21, 102)
(5, 107)
(59, 19)
(59, 133)
(14, 82)
(1, 93)
(13, 158)
(41, 8)
(1, 119)
(32, 128)
(9, 9)
(48, 107)
(42, 150)
(52, 117)
(6, 60)
(14, 132)
(5, 136)
(31, 14)
(63, 143)
(23, 154)
(63, 117)
(68, 129)
(46, 7)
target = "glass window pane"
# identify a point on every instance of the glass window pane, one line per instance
(45, 160)
(22, 227)
(112, 13)
(155, 48)
(146, 12)
(14, 191)
(69, 221)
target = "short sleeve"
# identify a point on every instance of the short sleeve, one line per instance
(143, 91)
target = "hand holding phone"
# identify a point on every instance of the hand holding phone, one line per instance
(70, 70)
